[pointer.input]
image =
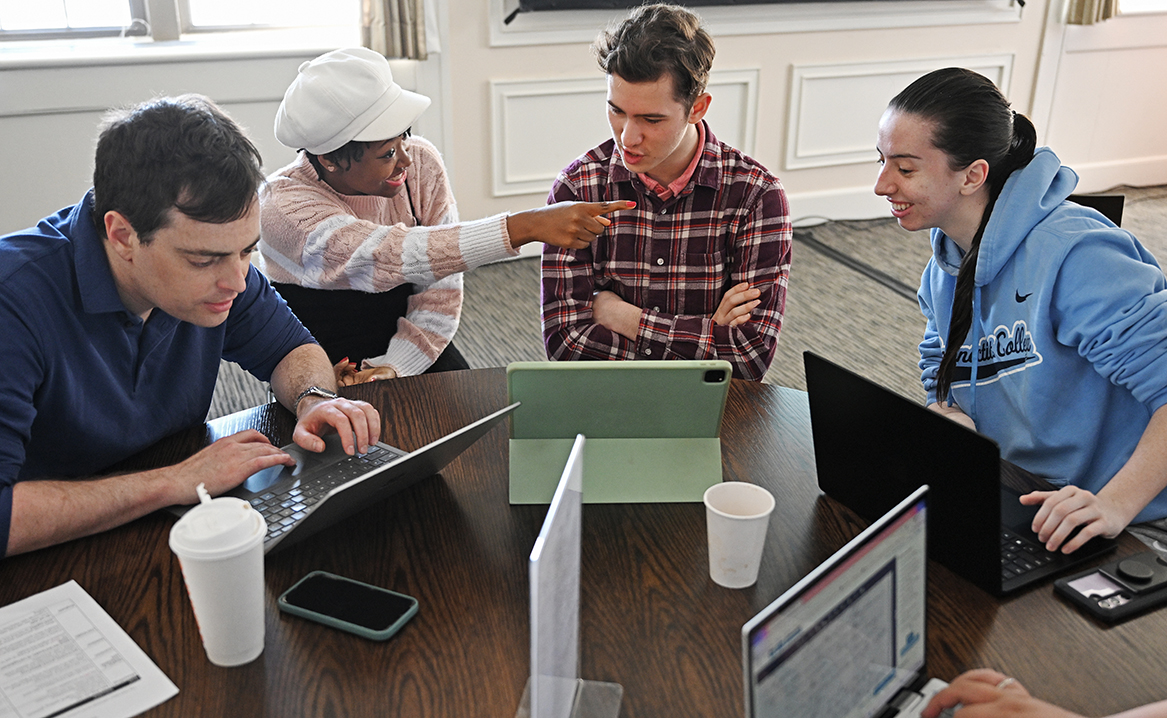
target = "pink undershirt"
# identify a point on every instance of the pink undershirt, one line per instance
(679, 183)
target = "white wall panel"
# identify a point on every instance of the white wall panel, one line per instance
(1109, 103)
(834, 109)
(540, 127)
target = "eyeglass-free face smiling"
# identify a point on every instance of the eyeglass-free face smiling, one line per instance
(917, 179)
(381, 171)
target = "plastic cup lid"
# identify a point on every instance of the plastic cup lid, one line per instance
(216, 527)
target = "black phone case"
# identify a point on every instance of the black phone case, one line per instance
(1138, 601)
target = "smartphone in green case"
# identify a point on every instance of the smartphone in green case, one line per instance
(368, 611)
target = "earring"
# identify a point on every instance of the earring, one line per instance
(332, 168)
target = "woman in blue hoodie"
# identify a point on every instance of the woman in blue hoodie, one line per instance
(1046, 323)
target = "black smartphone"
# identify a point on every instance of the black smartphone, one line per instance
(369, 611)
(1120, 589)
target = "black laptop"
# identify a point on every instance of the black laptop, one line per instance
(873, 447)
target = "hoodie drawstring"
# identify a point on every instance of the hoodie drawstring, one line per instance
(975, 334)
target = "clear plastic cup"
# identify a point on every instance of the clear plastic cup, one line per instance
(219, 544)
(737, 515)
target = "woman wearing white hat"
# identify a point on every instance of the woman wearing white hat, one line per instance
(366, 212)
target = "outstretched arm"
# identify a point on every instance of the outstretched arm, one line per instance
(1142, 478)
(313, 239)
(46, 512)
(1118, 322)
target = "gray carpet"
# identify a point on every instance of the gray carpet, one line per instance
(851, 299)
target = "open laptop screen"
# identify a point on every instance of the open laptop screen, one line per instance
(844, 640)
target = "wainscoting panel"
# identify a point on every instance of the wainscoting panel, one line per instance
(539, 127)
(835, 109)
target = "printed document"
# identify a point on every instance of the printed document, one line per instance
(63, 656)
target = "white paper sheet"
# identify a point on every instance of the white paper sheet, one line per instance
(62, 656)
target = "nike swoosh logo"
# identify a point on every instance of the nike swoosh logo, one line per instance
(1020, 298)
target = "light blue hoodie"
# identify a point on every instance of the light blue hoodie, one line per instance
(1070, 321)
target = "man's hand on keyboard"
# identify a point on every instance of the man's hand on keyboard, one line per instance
(985, 693)
(357, 423)
(225, 464)
(1068, 508)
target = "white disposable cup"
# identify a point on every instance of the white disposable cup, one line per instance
(219, 544)
(737, 515)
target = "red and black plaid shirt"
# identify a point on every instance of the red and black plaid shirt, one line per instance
(675, 259)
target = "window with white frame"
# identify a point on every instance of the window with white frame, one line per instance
(21, 19)
(47, 19)
(1131, 7)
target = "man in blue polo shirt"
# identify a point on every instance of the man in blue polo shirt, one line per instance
(115, 313)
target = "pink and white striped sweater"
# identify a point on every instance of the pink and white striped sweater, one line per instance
(316, 237)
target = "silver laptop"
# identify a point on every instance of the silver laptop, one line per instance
(325, 487)
(848, 640)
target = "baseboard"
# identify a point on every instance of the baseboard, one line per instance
(808, 208)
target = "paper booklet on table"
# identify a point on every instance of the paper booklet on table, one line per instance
(63, 655)
(555, 689)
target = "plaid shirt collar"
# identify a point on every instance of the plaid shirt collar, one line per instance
(708, 173)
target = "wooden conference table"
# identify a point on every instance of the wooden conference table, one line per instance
(651, 618)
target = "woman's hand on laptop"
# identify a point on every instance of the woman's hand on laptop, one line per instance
(1069, 507)
(954, 412)
(984, 693)
(1118, 503)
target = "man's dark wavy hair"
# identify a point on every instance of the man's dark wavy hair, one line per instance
(173, 152)
(658, 40)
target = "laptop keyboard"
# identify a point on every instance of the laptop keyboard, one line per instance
(282, 509)
(1020, 555)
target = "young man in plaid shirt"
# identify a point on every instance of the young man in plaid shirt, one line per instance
(698, 269)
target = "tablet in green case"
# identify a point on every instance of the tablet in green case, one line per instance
(653, 428)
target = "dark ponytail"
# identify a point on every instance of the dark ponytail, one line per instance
(971, 121)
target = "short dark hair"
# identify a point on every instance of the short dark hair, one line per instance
(658, 40)
(173, 152)
(346, 154)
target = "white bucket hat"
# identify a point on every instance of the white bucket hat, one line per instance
(345, 95)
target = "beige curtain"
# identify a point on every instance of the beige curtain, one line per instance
(1088, 12)
(394, 28)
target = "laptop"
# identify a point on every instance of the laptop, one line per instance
(873, 447)
(848, 640)
(325, 487)
(653, 428)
